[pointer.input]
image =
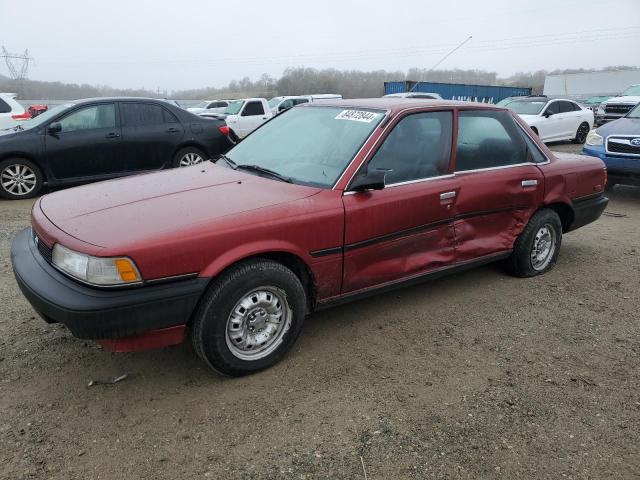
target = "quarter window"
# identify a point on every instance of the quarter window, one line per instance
(141, 114)
(253, 108)
(419, 146)
(94, 117)
(4, 107)
(488, 140)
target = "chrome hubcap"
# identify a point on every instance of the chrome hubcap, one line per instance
(18, 179)
(190, 158)
(258, 322)
(544, 246)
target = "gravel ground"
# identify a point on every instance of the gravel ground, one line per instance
(478, 375)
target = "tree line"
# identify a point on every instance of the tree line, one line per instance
(294, 81)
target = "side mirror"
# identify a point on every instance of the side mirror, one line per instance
(548, 113)
(54, 128)
(281, 108)
(372, 180)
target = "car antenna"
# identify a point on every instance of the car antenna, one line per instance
(442, 60)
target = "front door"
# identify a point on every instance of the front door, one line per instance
(89, 144)
(500, 184)
(150, 134)
(405, 229)
(251, 117)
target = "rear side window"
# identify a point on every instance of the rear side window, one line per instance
(88, 118)
(141, 114)
(253, 108)
(4, 107)
(488, 140)
(169, 117)
(566, 107)
(298, 101)
(418, 147)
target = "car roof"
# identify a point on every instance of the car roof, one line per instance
(395, 104)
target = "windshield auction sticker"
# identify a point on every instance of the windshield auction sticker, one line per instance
(357, 116)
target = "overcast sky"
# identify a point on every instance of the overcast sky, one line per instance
(196, 43)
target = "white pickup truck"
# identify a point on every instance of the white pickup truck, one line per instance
(618, 107)
(243, 116)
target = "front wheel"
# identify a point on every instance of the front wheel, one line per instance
(188, 156)
(19, 178)
(537, 248)
(581, 133)
(249, 317)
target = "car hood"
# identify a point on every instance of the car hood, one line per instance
(530, 118)
(124, 212)
(622, 126)
(623, 99)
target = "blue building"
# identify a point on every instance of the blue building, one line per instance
(458, 91)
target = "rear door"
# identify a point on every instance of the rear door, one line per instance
(89, 144)
(569, 118)
(501, 185)
(151, 134)
(405, 229)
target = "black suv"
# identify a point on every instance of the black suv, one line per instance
(101, 138)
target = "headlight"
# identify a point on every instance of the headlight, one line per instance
(594, 139)
(104, 271)
(600, 109)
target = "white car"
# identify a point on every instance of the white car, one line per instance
(280, 104)
(243, 116)
(427, 95)
(554, 119)
(212, 106)
(11, 112)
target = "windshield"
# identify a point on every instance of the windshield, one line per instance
(273, 103)
(46, 116)
(635, 113)
(633, 90)
(233, 108)
(311, 146)
(505, 101)
(526, 108)
(204, 104)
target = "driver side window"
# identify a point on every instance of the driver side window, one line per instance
(88, 118)
(553, 108)
(418, 147)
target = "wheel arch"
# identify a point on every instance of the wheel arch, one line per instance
(26, 156)
(293, 261)
(564, 211)
(189, 143)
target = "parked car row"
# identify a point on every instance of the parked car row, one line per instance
(325, 203)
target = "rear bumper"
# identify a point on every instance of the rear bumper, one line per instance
(93, 313)
(587, 211)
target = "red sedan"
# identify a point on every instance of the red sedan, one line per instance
(323, 204)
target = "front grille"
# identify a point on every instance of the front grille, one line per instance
(617, 109)
(627, 148)
(45, 251)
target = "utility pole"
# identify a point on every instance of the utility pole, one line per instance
(17, 64)
(441, 60)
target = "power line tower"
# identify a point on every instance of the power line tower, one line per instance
(17, 63)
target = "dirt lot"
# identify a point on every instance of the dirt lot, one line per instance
(479, 375)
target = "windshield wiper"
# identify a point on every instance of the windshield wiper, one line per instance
(271, 173)
(230, 162)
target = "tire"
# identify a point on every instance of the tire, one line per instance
(581, 133)
(231, 320)
(187, 156)
(20, 178)
(521, 263)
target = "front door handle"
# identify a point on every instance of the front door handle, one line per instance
(529, 183)
(112, 135)
(447, 195)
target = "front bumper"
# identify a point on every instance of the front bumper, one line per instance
(94, 313)
(623, 170)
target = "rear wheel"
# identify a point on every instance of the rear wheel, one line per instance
(537, 248)
(249, 317)
(19, 178)
(188, 156)
(581, 133)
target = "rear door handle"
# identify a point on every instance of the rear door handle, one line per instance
(173, 130)
(529, 183)
(447, 195)
(112, 135)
